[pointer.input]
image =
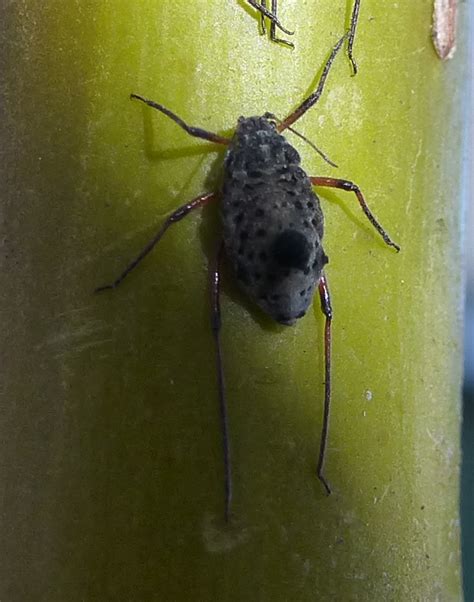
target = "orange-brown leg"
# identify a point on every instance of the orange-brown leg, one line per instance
(351, 187)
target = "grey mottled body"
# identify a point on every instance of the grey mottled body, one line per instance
(273, 223)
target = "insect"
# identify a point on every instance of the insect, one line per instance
(272, 237)
(261, 6)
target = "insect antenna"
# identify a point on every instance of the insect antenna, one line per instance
(311, 144)
(313, 98)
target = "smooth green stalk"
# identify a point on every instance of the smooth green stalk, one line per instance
(112, 476)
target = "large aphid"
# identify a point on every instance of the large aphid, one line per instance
(273, 223)
(272, 236)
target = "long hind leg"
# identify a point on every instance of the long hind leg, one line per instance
(327, 311)
(215, 281)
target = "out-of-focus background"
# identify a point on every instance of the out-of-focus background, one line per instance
(467, 482)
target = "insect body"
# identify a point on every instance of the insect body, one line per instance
(273, 224)
(272, 236)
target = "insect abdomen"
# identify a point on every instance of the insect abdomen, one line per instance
(272, 221)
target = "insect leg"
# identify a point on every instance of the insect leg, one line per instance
(327, 311)
(262, 8)
(263, 27)
(351, 187)
(176, 216)
(273, 27)
(313, 98)
(352, 31)
(191, 130)
(215, 277)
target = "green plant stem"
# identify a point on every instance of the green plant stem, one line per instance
(112, 475)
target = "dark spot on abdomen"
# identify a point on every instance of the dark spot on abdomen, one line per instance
(291, 249)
